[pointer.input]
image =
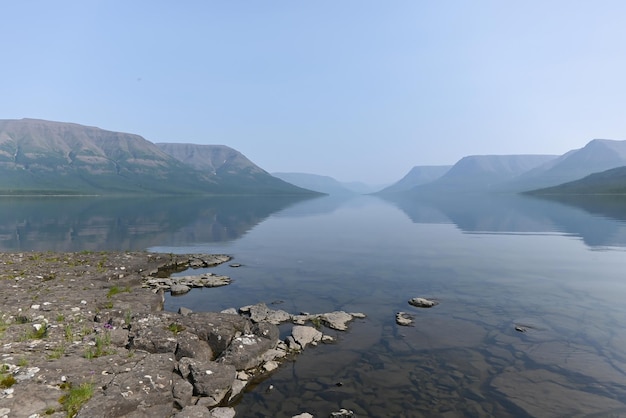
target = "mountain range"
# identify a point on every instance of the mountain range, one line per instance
(44, 157)
(523, 173)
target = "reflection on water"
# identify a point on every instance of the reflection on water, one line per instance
(494, 263)
(592, 219)
(106, 223)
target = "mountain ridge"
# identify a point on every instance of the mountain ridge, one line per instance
(49, 157)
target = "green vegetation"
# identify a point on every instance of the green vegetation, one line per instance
(69, 333)
(317, 322)
(175, 328)
(57, 353)
(101, 348)
(116, 290)
(76, 398)
(37, 333)
(6, 381)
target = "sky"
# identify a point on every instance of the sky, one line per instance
(359, 90)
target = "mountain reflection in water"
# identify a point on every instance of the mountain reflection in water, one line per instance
(496, 264)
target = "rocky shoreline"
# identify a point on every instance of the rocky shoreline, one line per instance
(84, 334)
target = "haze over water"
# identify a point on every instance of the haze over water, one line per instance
(494, 263)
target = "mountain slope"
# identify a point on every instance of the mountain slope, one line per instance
(44, 157)
(420, 174)
(322, 184)
(479, 173)
(229, 168)
(611, 181)
(598, 155)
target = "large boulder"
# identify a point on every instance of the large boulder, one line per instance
(217, 329)
(248, 351)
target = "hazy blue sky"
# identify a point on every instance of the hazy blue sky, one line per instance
(354, 89)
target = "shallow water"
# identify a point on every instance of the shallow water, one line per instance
(493, 263)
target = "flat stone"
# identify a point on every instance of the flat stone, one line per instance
(404, 319)
(304, 335)
(422, 302)
(336, 320)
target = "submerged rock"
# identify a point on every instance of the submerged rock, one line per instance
(423, 302)
(404, 319)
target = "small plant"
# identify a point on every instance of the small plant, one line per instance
(116, 289)
(21, 319)
(175, 328)
(101, 348)
(37, 332)
(76, 398)
(22, 362)
(69, 333)
(317, 322)
(50, 411)
(60, 318)
(57, 353)
(7, 381)
(128, 317)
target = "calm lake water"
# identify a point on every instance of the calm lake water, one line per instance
(558, 269)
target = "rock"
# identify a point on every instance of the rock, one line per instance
(211, 380)
(423, 303)
(151, 333)
(342, 413)
(190, 345)
(404, 319)
(520, 328)
(194, 411)
(249, 350)
(235, 265)
(261, 313)
(238, 386)
(182, 392)
(184, 311)
(303, 335)
(217, 329)
(336, 320)
(270, 366)
(231, 311)
(146, 389)
(303, 415)
(222, 412)
(179, 289)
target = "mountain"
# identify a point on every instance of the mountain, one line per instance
(420, 174)
(322, 184)
(611, 181)
(44, 157)
(598, 155)
(229, 168)
(480, 173)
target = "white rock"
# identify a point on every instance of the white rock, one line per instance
(270, 365)
(304, 335)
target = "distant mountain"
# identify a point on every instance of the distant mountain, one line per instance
(229, 168)
(479, 173)
(420, 174)
(598, 155)
(43, 157)
(318, 183)
(611, 181)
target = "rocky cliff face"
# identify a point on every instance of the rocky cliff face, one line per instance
(43, 157)
(228, 167)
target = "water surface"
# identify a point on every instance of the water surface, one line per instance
(555, 268)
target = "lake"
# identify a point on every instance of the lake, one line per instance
(554, 269)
